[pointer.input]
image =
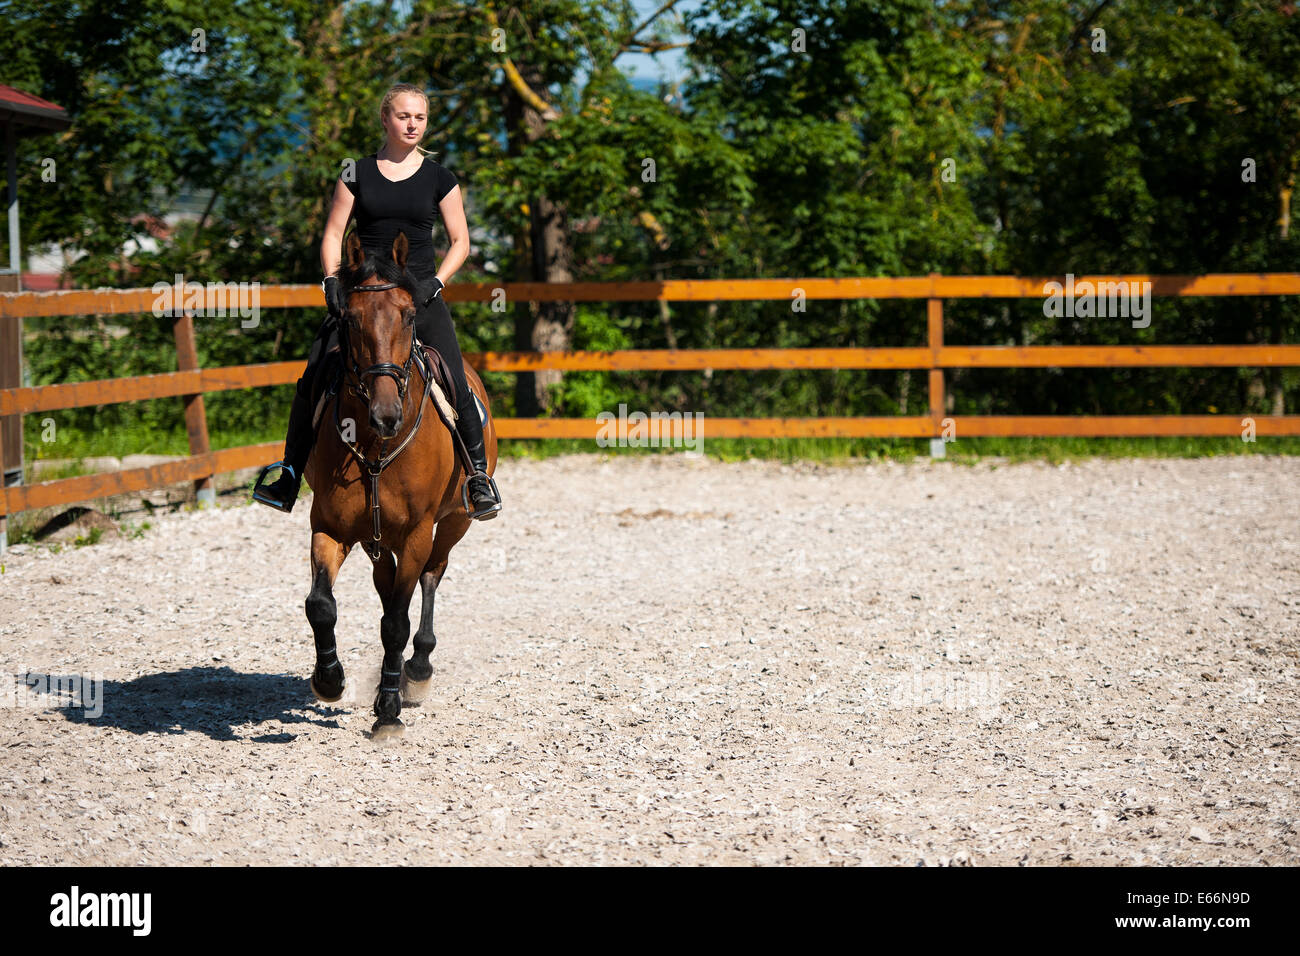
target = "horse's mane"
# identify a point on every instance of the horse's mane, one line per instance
(383, 267)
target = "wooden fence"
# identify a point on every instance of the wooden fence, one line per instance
(190, 382)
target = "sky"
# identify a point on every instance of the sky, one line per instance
(669, 65)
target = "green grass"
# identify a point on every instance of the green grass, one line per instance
(132, 530)
(129, 440)
(71, 469)
(90, 537)
(729, 449)
(73, 445)
(1057, 450)
(966, 451)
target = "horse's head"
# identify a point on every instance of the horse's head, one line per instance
(378, 329)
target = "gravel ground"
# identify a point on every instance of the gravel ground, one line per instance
(674, 660)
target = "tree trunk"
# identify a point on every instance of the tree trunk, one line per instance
(552, 262)
(543, 253)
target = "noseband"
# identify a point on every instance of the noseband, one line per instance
(401, 374)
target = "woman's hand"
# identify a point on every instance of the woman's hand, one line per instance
(432, 289)
(334, 297)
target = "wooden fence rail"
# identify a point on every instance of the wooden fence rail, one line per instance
(191, 382)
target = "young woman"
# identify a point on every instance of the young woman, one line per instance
(397, 189)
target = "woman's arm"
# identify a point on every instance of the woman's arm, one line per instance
(453, 217)
(331, 247)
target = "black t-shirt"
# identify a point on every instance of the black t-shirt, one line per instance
(384, 208)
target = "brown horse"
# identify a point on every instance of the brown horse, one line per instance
(385, 475)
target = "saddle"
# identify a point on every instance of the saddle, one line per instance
(442, 391)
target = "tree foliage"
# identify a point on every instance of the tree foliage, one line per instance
(834, 138)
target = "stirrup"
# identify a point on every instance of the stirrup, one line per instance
(489, 511)
(259, 486)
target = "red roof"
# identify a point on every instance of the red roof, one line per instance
(26, 110)
(154, 225)
(9, 94)
(44, 282)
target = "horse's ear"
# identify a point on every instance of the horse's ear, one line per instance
(400, 249)
(352, 253)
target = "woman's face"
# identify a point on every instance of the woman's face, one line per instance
(406, 120)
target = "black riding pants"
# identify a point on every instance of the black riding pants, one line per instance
(434, 326)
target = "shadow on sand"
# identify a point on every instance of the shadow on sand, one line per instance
(207, 700)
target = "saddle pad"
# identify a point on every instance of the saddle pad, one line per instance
(444, 391)
(444, 406)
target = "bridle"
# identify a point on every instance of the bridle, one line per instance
(402, 376)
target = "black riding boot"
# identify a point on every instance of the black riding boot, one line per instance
(484, 499)
(283, 492)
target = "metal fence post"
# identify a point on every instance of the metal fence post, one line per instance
(4, 521)
(11, 426)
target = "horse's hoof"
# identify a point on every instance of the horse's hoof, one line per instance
(322, 696)
(415, 691)
(387, 729)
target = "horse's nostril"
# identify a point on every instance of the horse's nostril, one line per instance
(386, 425)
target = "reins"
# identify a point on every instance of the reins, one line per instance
(401, 375)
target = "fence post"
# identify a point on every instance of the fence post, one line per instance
(11, 427)
(196, 420)
(934, 333)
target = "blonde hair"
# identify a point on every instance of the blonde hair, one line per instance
(386, 107)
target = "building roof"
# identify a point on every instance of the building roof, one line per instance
(31, 115)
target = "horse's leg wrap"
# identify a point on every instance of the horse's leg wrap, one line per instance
(322, 613)
(394, 630)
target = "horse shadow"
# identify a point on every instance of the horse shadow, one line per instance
(207, 700)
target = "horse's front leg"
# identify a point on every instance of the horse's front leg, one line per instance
(395, 582)
(417, 675)
(327, 556)
(419, 672)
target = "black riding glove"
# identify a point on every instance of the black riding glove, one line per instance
(431, 290)
(334, 303)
